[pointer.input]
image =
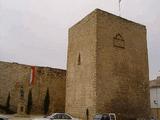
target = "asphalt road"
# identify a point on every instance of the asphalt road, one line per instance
(15, 117)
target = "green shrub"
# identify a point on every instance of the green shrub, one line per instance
(29, 104)
(46, 102)
(8, 103)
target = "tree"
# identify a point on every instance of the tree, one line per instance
(8, 103)
(29, 104)
(46, 102)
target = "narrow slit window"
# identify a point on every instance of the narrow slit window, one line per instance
(79, 59)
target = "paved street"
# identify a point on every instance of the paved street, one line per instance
(14, 117)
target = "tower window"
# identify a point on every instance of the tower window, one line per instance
(79, 59)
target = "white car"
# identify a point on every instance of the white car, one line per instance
(58, 116)
(3, 117)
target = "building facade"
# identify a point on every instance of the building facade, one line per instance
(155, 97)
(107, 68)
(13, 76)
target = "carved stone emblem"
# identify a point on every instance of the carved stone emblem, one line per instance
(118, 41)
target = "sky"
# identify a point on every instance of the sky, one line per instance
(35, 32)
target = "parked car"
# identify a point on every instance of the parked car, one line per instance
(105, 116)
(3, 117)
(57, 116)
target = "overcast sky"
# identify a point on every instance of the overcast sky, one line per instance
(35, 32)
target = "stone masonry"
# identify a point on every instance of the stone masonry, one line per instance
(13, 74)
(107, 71)
(107, 68)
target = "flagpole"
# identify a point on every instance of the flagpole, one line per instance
(119, 1)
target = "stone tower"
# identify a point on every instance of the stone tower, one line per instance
(107, 68)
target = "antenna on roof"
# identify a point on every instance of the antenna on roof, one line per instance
(119, 2)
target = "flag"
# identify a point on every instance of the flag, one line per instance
(32, 76)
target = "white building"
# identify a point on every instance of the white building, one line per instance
(155, 97)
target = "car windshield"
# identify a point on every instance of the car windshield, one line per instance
(61, 116)
(97, 117)
(102, 117)
(105, 117)
(57, 116)
(64, 116)
(112, 117)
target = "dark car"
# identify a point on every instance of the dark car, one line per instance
(105, 116)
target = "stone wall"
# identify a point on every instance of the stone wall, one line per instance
(122, 67)
(81, 68)
(12, 75)
(107, 68)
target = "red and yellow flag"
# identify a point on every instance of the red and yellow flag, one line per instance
(32, 76)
